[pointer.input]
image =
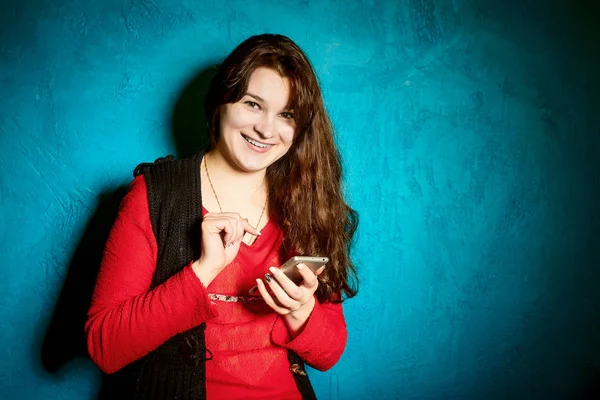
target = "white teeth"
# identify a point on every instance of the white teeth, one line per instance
(255, 143)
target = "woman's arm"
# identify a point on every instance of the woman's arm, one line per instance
(322, 339)
(126, 319)
(316, 332)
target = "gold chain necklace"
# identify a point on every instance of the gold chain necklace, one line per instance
(217, 197)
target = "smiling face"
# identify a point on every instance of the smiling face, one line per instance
(258, 129)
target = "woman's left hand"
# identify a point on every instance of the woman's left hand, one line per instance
(294, 302)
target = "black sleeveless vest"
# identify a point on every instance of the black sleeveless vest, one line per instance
(177, 368)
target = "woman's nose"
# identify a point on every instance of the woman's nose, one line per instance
(265, 127)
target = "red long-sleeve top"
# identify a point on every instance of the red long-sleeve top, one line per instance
(249, 341)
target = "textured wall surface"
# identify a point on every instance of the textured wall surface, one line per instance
(470, 135)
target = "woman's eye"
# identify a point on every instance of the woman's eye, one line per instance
(252, 104)
(287, 115)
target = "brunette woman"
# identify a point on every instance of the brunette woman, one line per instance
(171, 315)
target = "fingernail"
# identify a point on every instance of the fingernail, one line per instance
(268, 277)
(299, 266)
(258, 281)
(273, 270)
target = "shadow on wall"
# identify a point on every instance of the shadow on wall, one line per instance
(188, 123)
(65, 338)
(590, 389)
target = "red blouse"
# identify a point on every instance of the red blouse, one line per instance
(249, 341)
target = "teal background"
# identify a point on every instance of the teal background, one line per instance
(470, 137)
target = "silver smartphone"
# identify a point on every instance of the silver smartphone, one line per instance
(290, 270)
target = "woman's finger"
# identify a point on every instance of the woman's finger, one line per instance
(269, 299)
(240, 228)
(218, 224)
(249, 228)
(238, 221)
(280, 294)
(298, 293)
(243, 223)
(310, 280)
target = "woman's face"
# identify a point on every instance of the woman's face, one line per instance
(259, 129)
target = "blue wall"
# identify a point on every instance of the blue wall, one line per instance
(470, 134)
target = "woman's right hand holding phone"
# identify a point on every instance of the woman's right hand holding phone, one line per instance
(222, 235)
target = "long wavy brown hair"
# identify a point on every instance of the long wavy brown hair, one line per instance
(305, 190)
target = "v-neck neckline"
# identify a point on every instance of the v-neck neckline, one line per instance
(204, 210)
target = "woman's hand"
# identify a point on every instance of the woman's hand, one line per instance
(294, 302)
(222, 235)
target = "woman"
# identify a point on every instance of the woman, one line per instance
(171, 316)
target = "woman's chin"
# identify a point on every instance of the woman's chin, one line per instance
(251, 164)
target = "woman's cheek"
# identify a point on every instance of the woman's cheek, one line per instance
(286, 131)
(238, 117)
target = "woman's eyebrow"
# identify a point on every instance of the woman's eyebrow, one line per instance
(257, 97)
(260, 99)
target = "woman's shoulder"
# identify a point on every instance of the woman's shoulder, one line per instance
(169, 165)
(137, 187)
(135, 202)
(167, 177)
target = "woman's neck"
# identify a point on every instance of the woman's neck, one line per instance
(227, 189)
(221, 170)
